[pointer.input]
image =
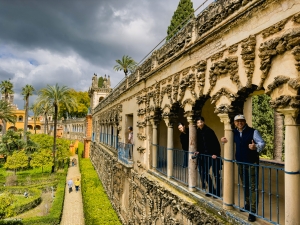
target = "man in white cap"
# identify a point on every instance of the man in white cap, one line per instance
(248, 144)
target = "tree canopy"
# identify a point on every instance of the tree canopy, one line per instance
(83, 102)
(180, 17)
(127, 64)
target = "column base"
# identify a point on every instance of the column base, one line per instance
(192, 189)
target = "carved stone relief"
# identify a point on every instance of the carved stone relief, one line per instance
(189, 82)
(175, 86)
(233, 48)
(223, 92)
(296, 18)
(279, 80)
(248, 56)
(201, 69)
(284, 101)
(274, 29)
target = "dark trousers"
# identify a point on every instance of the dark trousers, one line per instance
(185, 159)
(213, 182)
(249, 177)
(77, 188)
(70, 189)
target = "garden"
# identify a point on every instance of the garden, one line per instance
(30, 193)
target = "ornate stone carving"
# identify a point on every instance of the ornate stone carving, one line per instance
(224, 67)
(294, 83)
(278, 46)
(166, 90)
(141, 136)
(141, 149)
(217, 56)
(156, 94)
(279, 80)
(296, 18)
(248, 56)
(274, 29)
(223, 92)
(296, 53)
(285, 101)
(145, 67)
(141, 112)
(224, 108)
(141, 124)
(175, 86)
(187, 82)
(201, 69)
(233, 48)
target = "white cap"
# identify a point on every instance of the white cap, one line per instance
(239, 117)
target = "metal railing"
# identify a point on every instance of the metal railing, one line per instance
(109, 139)
(259, 192)
(125, 153)
(180, 165)
(255, 184)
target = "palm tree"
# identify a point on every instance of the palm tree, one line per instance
(6, 112)
(126, 64)
(56, 96)
(26, 92)
(6, 88)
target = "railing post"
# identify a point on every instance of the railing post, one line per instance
(192, 148)
(228, 180)
(291, 166)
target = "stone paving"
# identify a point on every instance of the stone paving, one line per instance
(73, 207)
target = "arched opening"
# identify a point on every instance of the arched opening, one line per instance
(12, 128)
(101, 98)
(37, 127)
(20, 119)
(29, 127)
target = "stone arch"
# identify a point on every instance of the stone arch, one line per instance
(12, 128)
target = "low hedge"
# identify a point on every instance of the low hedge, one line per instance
(96, 205)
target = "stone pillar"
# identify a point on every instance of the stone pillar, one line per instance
(228, 165)
(148, 144)
(192, 148)
(154, 143)
(170, 146)
(291, 166)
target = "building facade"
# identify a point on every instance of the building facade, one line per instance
(231, 51)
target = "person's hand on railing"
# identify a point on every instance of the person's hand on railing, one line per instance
(214, 156)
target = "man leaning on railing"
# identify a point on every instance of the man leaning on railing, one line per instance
(248, 144)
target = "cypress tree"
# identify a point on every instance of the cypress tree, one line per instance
(183, 12)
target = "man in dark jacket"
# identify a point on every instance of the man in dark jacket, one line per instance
(248, 144)
(209, 148)
(184, 140)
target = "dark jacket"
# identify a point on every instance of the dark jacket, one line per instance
(184, 140)
(207, 142)
(243, 152)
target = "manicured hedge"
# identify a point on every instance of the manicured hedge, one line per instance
(96, 205)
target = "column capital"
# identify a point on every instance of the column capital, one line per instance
(169, 119)
(290, 115)
(190, 117)
(224, 118)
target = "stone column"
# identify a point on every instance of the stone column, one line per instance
(170, 146)
(192, 148)
(154, 142)
(148, 144)
(291, 166)
(228, 165)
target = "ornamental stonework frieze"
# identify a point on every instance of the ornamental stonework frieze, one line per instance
(141, 149)
(175, 86)
(278, 81)
(141, 124)
(156, 94)
(145, 67)
(248, 56)
(294, 83)
(277, 46)
(141, 112)
(217, 56)
(224, 108)
(233, 48)
(222, 68)
(201, 69)
(141, 136)
(188, 82)
(166, 90)
(284, 101)
(274, 29)
(216, 13)
(296, 18)
(223, 92)
(296, 53)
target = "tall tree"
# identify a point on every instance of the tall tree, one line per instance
(6, 88)
(26, 92)
(126, 64)
(56, 96)
(7, 112)
(263, 121)
(181, 16)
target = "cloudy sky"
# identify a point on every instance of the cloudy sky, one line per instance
(66, 41)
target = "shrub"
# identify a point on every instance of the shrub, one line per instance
(96, 205)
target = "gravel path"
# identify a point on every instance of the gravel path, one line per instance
(73, 207)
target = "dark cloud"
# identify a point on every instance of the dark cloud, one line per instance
(46, 42)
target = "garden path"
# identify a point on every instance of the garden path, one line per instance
(73, 207)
